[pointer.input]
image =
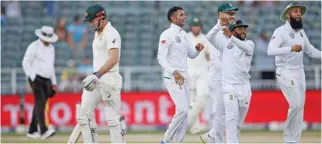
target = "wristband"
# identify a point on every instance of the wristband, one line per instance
(97, 74)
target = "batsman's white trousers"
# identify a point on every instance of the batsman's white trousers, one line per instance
(218, 130)
(108, 91)
(198, 94)
(180, 97)
(292, 83)
(236, 100)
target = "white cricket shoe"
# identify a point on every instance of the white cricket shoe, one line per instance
(205, 138)
(48, 133)
(34, 135)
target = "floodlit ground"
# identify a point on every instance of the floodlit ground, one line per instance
(155, 137)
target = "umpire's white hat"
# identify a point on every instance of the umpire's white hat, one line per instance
(47, 34)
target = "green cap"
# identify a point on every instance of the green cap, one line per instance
(237, 24)
(226, 7)
(92, 12)
(289, 7)
(195, 21)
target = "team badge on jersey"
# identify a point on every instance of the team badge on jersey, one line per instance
(178, 40)
(114, 40)
(292, 35)
(230, 45)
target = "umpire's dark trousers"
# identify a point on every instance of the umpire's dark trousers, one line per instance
(42, 89)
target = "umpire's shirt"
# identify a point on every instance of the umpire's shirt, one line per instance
(39, 60)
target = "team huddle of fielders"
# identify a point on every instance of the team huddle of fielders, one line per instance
(198, 68)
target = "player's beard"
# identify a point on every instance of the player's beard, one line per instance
(239, 36)
(296, 24)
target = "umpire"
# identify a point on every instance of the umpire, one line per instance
(38, 64)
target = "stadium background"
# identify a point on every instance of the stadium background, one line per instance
(146, 105)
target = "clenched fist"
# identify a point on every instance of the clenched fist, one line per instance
(199, 47)
(296, 48)
(227, 32)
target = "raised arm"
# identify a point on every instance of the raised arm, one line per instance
(164, 45)
(211, 35)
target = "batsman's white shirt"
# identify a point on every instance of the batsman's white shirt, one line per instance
(109, 38)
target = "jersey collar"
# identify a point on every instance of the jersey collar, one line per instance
(176, 27)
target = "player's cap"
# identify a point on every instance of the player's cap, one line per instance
(289, 7)
(226, 7)
(237, 24)
(93, 11)
(195, 21)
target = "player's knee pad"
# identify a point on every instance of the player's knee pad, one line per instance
(113, 121)
(112, 116)
(82, 118)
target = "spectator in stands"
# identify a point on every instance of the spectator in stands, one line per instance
(77, 37)
(262, 61)
(70, 80)
(61, 30)
(12, 9)
(3, 18)
(85, 68)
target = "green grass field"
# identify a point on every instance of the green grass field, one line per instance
(155, 137)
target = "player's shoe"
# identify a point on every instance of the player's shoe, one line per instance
(205, 138)
(162, 142)
(34, 135)
(48, 134)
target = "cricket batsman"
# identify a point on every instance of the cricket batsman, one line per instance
(106, 82)
(174, 48)
(287, 44)
(226, 16)
(198, 72)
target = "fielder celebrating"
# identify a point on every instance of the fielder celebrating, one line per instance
(105, 83)
(198, 72)
(287, 45)
(174, 48)
(236, 63)
(226, 15)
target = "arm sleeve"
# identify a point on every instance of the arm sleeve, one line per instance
(211, 35)
(113, 41)
(164, 45)
(309, 49)
(27, 61)
(274, 46)
(246, 46)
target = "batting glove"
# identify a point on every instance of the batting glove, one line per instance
(123, 126)
(91, 82)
